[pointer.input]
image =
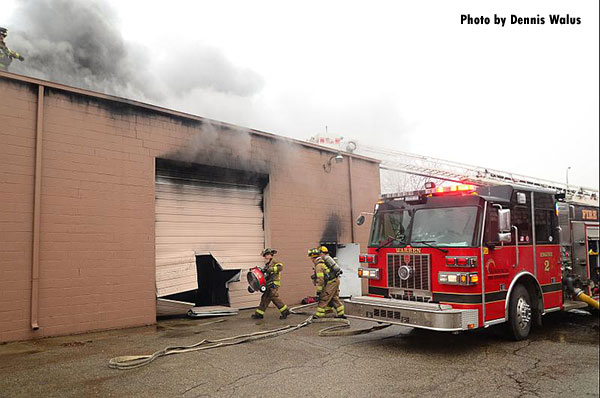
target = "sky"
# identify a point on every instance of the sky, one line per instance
(401, 75)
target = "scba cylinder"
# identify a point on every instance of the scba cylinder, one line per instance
(467, 19)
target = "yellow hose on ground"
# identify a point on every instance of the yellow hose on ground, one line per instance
(587, 299)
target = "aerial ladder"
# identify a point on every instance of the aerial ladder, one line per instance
(447, 170)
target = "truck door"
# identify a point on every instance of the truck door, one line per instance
(547, 249)
(498, 262)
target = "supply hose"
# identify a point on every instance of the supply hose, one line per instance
(587, 299)
(136, 361)
(578, 293)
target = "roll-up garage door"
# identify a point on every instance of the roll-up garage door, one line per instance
(198, 217)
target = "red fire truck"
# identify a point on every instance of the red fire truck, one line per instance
(466, 257)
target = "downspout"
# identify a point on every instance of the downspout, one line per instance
(351, 202)
(37, 193)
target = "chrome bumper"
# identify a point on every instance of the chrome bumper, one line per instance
(441, 317)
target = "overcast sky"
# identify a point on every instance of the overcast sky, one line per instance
(399, 74)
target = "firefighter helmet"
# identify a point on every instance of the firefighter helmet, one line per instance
(314, 252)
(3, 31)
(268, 250)
(324, 249)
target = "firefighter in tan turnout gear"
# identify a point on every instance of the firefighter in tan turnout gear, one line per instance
(6, 54)
(327, 282)
(330, 261)
(272, 271)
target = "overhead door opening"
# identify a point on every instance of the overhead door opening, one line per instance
(212, 281)
(209, 231)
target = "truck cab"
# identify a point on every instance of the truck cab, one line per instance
(465, 257)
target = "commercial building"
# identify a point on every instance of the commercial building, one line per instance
(106, 202)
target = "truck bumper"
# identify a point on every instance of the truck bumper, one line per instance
(441, 317)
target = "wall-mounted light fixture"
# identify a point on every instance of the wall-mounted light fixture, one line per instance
(338, 159)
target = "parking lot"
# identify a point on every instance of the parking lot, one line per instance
(559, 359)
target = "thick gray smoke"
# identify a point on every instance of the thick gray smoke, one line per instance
(79, 43)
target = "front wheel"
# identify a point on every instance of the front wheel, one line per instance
(519, 322)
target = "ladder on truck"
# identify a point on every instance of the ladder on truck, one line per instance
(447, 170)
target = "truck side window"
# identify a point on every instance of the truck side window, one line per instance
(491, 226)
(521, 218)
(545, 219)
(545, 229)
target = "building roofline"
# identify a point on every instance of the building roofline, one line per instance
(172, 112)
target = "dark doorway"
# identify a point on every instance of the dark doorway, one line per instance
(213, 281)
(213, 284)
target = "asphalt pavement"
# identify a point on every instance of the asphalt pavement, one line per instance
(559, 359)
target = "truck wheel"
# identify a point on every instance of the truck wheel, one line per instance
(519, 313)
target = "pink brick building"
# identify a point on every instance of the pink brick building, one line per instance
(82, 222)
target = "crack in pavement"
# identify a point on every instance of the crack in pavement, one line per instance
(327, 358)
(525, 386)
(193, 388)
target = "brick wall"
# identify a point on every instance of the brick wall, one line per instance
(97, 205)
(18, 104)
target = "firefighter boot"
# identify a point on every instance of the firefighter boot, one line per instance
(340, 312)
(258, 315)
(284, 312)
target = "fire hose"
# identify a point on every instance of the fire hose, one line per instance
(136, 361)
(579, 294)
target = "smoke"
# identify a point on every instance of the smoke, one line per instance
(79, 43)
(206, 68)
(229, 148)
(333, 229)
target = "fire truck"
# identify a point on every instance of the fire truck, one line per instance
(462, 257)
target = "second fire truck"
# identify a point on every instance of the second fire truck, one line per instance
(466, 257)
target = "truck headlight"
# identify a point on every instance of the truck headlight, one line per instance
(458, 278)
(369, 273)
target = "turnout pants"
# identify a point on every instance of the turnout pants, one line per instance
(272, 294)
(330, 297)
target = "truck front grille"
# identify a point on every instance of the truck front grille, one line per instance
(419, 274)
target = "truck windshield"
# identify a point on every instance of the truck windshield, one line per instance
(389, 225)
(451, 226)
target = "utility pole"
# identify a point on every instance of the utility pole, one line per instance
(567, 190)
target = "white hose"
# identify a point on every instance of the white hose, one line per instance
(136, 361)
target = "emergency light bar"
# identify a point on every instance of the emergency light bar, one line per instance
(415, 195)
(461, 261)
(367, 258)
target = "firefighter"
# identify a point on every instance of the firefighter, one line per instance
(330, 261)
(6, 54)
(328, 286)
(272, 271)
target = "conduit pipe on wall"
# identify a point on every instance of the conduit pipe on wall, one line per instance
(351, 202)
(37, 194)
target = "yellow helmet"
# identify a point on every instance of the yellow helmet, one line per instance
(324, 249)
(314, 252)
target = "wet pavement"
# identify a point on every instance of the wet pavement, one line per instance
(559, 359)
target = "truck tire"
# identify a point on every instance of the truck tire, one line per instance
(519, 313)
